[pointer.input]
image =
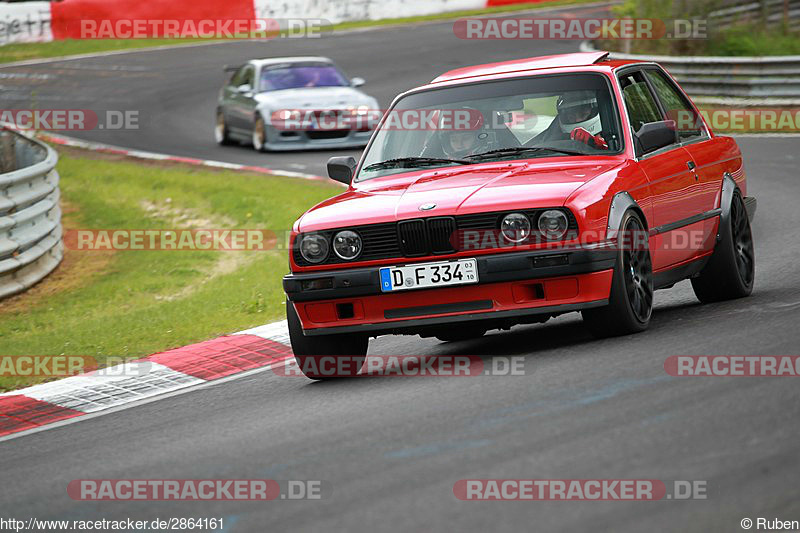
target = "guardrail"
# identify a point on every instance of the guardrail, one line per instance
(731, 80)
(30, 216)
(773, 12)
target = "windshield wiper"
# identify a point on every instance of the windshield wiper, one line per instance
(522, 150)
(415, 162)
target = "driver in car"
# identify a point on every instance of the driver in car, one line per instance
(578, 119)
(466, 140)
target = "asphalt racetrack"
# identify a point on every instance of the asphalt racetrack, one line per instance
(390, 449)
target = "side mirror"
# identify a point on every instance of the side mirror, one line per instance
(342, 169)
(244, 89)
(657, 135)
(357, 82)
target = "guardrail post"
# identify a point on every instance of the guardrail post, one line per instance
(8, 156)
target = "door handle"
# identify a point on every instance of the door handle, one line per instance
(693, 168)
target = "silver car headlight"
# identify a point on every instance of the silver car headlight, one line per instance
(516, 227)
(553, 224)
(347, 245)
(361, 110)
(314, 248)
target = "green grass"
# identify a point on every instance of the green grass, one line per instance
(141, 302)
(28, 51)
(755, 41)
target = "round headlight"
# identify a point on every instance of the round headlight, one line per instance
(314, 248)
(516, 227)
(347, 245)
(553, 225)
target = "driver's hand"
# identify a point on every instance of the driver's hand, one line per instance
(582, 135)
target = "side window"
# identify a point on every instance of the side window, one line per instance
(238, 76)
(248, 76)
(243, 76)
(689, 123)
(642, 106)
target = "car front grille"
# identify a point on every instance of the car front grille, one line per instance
(413, 238)
(327, 135)
(422, 237)
(441, 233)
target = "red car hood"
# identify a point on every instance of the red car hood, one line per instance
(456, 191)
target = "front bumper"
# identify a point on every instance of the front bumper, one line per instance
(289, 140)
(512, 286)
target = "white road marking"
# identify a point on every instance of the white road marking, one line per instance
(277, 331)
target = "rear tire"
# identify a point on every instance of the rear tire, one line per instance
(730, 273)
(313, 354)
(221, 133)
(631, 302)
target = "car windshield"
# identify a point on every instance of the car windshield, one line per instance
(520, 118)
(281, 77)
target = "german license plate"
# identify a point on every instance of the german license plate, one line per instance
(429, 275)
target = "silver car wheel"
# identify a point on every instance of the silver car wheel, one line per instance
(259, 135)
(221, 130)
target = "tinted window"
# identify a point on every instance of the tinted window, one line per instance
(689, 123)
(642, 106)
(240, 76)
(521, 118)
(281, 77)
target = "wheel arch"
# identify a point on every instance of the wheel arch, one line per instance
(729, 189)
(621, 204)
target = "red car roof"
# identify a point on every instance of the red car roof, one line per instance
(522, 65)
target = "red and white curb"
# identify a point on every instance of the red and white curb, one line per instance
(63, 140)
(29, 410)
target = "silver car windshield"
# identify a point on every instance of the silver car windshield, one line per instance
(520, 118)
(300, 76)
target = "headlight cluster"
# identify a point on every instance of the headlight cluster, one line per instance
(358, 110)
(289, 114)
(552, 225)
(315, 247)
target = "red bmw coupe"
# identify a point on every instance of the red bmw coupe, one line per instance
(514, 192)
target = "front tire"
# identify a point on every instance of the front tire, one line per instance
(316, 354)
(730, 273)
(631, 302)
(259, 134)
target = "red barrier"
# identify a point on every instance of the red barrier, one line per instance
(67, 15)
(495, 3)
